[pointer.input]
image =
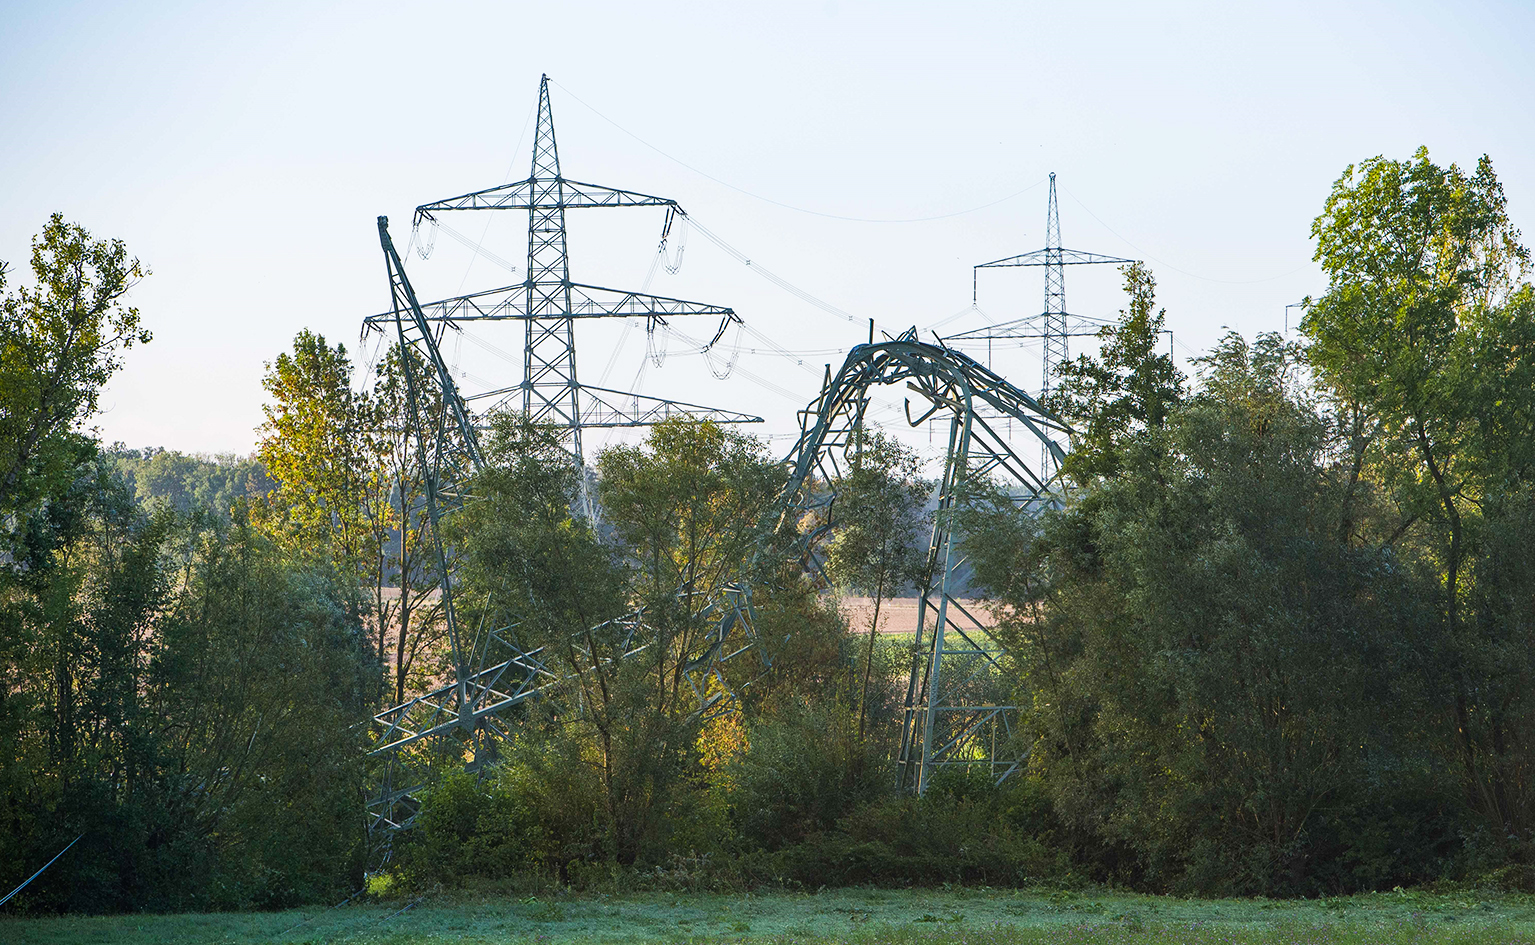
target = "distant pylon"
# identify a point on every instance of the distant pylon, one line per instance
(549, 302)
(1051, 325)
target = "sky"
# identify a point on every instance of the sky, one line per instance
(244, 152)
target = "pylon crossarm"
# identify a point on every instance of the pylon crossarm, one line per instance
(510, 303)
(602, 407)
(589, 300)
(543, 194)
(1055, 257)
(1036, 326)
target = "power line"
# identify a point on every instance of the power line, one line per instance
(789, 206)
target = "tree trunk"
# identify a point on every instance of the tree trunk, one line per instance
(868, 662)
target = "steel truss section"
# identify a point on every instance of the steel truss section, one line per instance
(549, 303)
(952, 716)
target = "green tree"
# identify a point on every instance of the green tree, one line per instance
(1125, 389)
(402, 567)
(1421, 331)
(684, 509)
(527, 563)
(313, 444)
(878, 547)
(61, 339)
(175, 692)
(259, 676)
(159, 477)
(1213, 676)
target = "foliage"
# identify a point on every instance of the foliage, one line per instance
(61, 339)
(473, 826)
(1175, 721)
(159, 477)
(1423, 334)
(991, 836)
(1128, 387)
(177, 694)
(312, 445)
(878, 547)
(402, 570)
(684, 511)
(349, 488)
(807, 768)
(185, 699)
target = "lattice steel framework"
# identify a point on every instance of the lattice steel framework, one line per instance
(549, 303)
(953, 715)
(955, 707)
(1053, 324)
(491, 674)
(465, 718)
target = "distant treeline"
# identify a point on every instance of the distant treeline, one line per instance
(159, 477)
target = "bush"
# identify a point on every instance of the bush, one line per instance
(803, 771)
(472, 826)
(992, 835)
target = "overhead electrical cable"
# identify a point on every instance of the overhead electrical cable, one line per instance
(789, 206)
(774, 278)
(505, 177)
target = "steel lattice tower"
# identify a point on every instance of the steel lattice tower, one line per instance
(1053, 324)
(550, 303)
(491, 673)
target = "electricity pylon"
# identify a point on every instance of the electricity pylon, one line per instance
(491, 673)
(549, 303)
(1053, 325)
(956, 709)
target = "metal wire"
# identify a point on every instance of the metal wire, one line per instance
(39, 872)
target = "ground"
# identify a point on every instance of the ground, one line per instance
(958, 916)
(898, 615)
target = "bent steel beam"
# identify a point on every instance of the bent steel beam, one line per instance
(953, 714)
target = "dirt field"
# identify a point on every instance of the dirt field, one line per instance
(898, 615)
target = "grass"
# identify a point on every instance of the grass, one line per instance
(960, 916)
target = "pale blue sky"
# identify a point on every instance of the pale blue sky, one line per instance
(243, 152)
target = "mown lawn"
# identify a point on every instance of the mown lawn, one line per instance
(959, 916)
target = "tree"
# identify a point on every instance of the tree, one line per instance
(402, 551)
(877, 547)
(526, 562)
(1422, 328)
(61, 339)
(1127, 388)
(684, 508)
(175, 693)
(313, 444)
(166, 478)
(1212, 675)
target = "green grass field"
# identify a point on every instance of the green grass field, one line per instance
(958, 916)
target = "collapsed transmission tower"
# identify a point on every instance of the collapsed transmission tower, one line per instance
(956, 711)
(1053, 325)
